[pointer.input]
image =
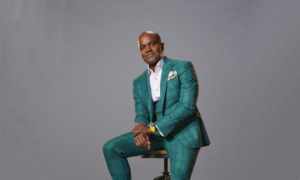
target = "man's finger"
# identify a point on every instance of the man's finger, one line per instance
(147, 139)
(145, 143)
(140, 142)
(136, 142)
(148, 142)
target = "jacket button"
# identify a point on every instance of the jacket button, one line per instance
(157, 115)
(151, 111)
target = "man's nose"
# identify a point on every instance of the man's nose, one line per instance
(148, 49)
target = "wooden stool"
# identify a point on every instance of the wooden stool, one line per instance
(159, 154)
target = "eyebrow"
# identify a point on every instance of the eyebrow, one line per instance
(148, 43)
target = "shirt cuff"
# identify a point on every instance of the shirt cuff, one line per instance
(160, 131)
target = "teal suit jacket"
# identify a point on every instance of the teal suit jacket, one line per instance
(177, 113)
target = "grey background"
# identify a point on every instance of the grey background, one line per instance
(66, 72)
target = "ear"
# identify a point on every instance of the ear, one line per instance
(162, 45)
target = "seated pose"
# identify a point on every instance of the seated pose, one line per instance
(167, 116)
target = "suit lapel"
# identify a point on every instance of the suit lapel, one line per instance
(148, 90)
(167, 67)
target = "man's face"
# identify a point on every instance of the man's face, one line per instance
(151, 49)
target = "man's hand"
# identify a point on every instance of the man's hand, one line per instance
(141, 128)
(142, 141)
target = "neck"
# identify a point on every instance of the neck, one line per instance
(152, 66)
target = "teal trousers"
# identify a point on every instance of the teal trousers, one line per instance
(117, 150)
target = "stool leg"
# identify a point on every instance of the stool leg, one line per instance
(165, 175)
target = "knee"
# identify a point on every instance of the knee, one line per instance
(111, 148)
(108, 146)
(117, 145)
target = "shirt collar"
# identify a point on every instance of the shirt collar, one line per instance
(159, 64)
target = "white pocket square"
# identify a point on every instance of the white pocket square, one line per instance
(172, 74)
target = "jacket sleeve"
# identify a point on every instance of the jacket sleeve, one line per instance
(187, 101)
(141, 112)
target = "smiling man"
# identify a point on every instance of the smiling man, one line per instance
(167, 116)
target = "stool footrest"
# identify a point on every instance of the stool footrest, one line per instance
(163, 177)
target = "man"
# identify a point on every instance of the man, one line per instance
(165, 97)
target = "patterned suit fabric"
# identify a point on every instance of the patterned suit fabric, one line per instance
(177, 112)
(117, 150)
(177, 117)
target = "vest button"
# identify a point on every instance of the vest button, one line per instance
(151, 111)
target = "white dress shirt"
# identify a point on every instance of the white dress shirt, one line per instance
(154, 78)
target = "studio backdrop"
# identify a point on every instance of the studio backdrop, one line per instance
(67, 68)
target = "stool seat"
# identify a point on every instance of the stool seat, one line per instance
(155, 154)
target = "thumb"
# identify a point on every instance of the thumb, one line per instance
(147, 138)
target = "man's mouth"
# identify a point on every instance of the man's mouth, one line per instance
(150, 55)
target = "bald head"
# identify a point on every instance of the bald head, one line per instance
(151, 48)
(152, 33)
